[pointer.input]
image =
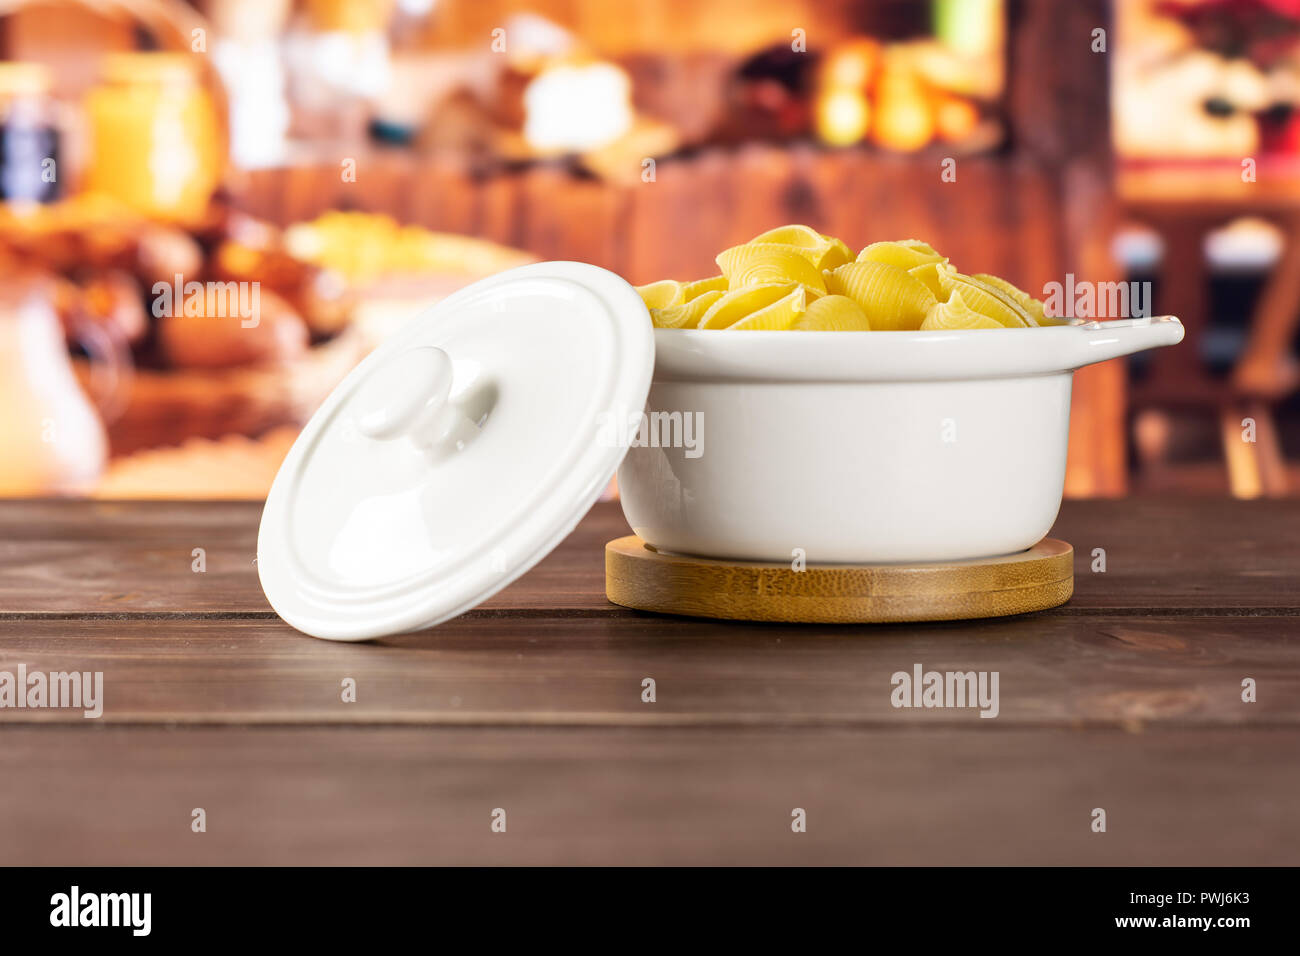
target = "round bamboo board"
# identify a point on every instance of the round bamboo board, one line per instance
(637, 576)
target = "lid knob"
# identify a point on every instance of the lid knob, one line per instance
(407, 397)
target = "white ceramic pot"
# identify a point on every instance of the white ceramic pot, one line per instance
(862, 447)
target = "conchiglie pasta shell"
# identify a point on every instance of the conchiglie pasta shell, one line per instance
(734, 306)
(900, 254)
(837, 254)
(693, 290)
(833, 313)
(986, 300)
(824, 252)
(662, 294)
(956, 314)
(805, 237)
(687, 315)
(780, 315)
(923, 247)
(931, 276)
(765, 263)
(1032, 306)
(892, 299)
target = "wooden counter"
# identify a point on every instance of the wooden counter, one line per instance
(1128, 698)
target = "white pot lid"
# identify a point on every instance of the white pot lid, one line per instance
(458, 454)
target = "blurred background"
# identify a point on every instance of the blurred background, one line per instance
(357, 160)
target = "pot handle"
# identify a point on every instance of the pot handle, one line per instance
(1101, 341)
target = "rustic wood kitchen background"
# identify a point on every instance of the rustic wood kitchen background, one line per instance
(361, 158)
(338, 166)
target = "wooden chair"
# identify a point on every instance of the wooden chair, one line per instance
(1184, 206)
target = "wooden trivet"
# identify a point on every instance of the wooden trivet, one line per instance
(637, 576)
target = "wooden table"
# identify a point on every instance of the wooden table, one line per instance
(1128, 698)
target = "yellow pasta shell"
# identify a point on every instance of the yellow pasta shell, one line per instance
(763, 263)
(931, 276)
(833, 313)
(892, 299)
(734, 306)
(823, 251)
(987, 300)
(956, 314)
(687, 315)
(923, 247)
(805, 237)
(693, 290)
(906, 254)
(781, 314)
(1033, 307)
(662, 294)
(837, 254)
(794, 277)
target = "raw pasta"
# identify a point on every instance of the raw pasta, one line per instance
(763, 263)
(797, 279)
(693, 290)
(662, 294)
(891, 297)
(987, 300)
(781, 314)
(833, 313)
(956, 314)
(684, 315)
(734, 306)
(824, 252)
(1027, 302)
(906, 254)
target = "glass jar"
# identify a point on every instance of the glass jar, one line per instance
(29, 137)
(154, 136)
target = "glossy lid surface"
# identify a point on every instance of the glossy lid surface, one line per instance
(458, 454)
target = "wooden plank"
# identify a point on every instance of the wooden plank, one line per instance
(837, 183)
(482, 670)
(311, 190)
(386, 180)
(569, 217)
(451, 200)
(111, 795)
(427, 181)
(1182, 555)
(132, 558)
(86, 557)
(499, 216)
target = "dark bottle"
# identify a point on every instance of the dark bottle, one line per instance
(29, 138)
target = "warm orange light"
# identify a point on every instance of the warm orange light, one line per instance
(843, 117)
(850, 65)
(904, 120)
(955, 119)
